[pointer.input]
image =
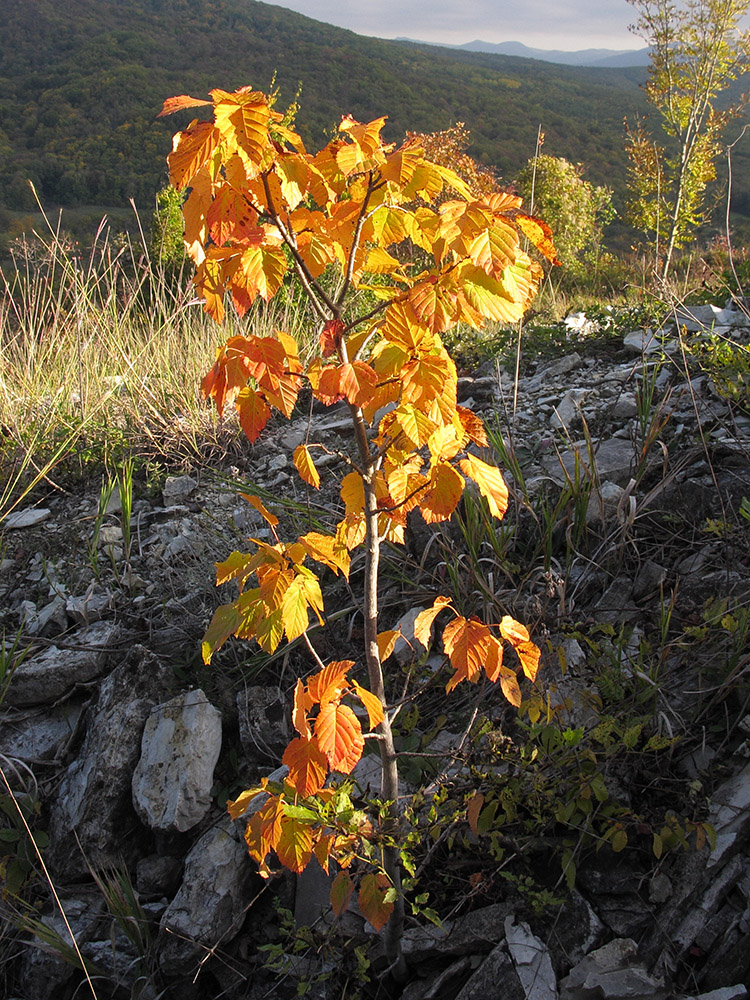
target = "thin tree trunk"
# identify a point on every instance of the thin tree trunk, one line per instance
(394, 929)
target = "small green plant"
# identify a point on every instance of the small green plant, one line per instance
(727, 364)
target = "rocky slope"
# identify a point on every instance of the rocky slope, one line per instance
(125, 746)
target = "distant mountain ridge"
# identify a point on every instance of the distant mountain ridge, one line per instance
(613, 58)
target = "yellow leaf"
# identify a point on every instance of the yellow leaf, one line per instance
(173, 104)
(306, 467)
(386, 642)
(490, 483)
(353, 493)
(328, 550)
(372, 703)
(424, 620)
(239, 805)
(466, 641)
(445, 489)
(191, 149)
(262, 510)
(294, 847)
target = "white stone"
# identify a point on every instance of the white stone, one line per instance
(179, 750)
(408, 648)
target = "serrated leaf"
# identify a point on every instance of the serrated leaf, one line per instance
(271, 817)
(253, 411)
(257, 503)
(473, 426)
(490, 482)
(294, 847)
(424, 620)
(328, 550)
(495, 248)
(538, 233)
(308, 767)
(466, 641)
(305, 466)
(330, 683)
(191, 149)
(339, 736)
(372, 703)
(301, 705)
(373, 902)
(342, 888)
(445, 489)
(357, 381)
(226, 620)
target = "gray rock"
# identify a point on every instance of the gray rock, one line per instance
(560, 366)
(614, 460)
(730, 814)
(697, 318)
(567, 413)
(28, 518)
(179, 750)
(625, 407)
(33, 737)
(724, 993)
(210, 904)
(612, 973)
(477, 931)
(604, 503)
(177, 489)
(495, 979)
(55, 672)
(532, 961)
(93, 802)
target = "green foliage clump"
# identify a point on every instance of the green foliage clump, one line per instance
(576, 210)
(166, 246)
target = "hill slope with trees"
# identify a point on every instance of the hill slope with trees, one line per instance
(82, 83)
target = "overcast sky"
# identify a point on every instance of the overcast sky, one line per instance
(548, 24)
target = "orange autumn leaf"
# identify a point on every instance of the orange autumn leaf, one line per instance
(424, 620)
(342, 888)
(445, 489)
(339, 736)
(473, 426)
(493, 658)
(372, 703)
(513, 631)
(301, 705)
(473, 810)
(529, 654)
(357, 381)
(180, 102)
(330, 337)
(256, 502)
(466, 641)
(308, 767)
(373, 899)
(329, 683)
(540, 234)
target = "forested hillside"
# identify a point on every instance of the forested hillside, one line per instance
(82, 83)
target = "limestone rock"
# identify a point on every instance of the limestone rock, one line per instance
(28, 518)
(532, 961)
(179, 749)
(54, 673)
(93, 802)
(209, 905)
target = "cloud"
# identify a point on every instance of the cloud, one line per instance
(577, 24)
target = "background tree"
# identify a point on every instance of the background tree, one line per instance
(576, 210)
(697, 51)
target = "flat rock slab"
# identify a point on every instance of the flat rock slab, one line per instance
(614, 460)
(179, 750)
(28, 518)
(46, 678)
(38, 736)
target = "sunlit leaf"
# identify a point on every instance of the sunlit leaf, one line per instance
(305, 466)
(490, 482)
(424, 620)
(294, 847)
(308, 767)
(372, 703)
(339, 736)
